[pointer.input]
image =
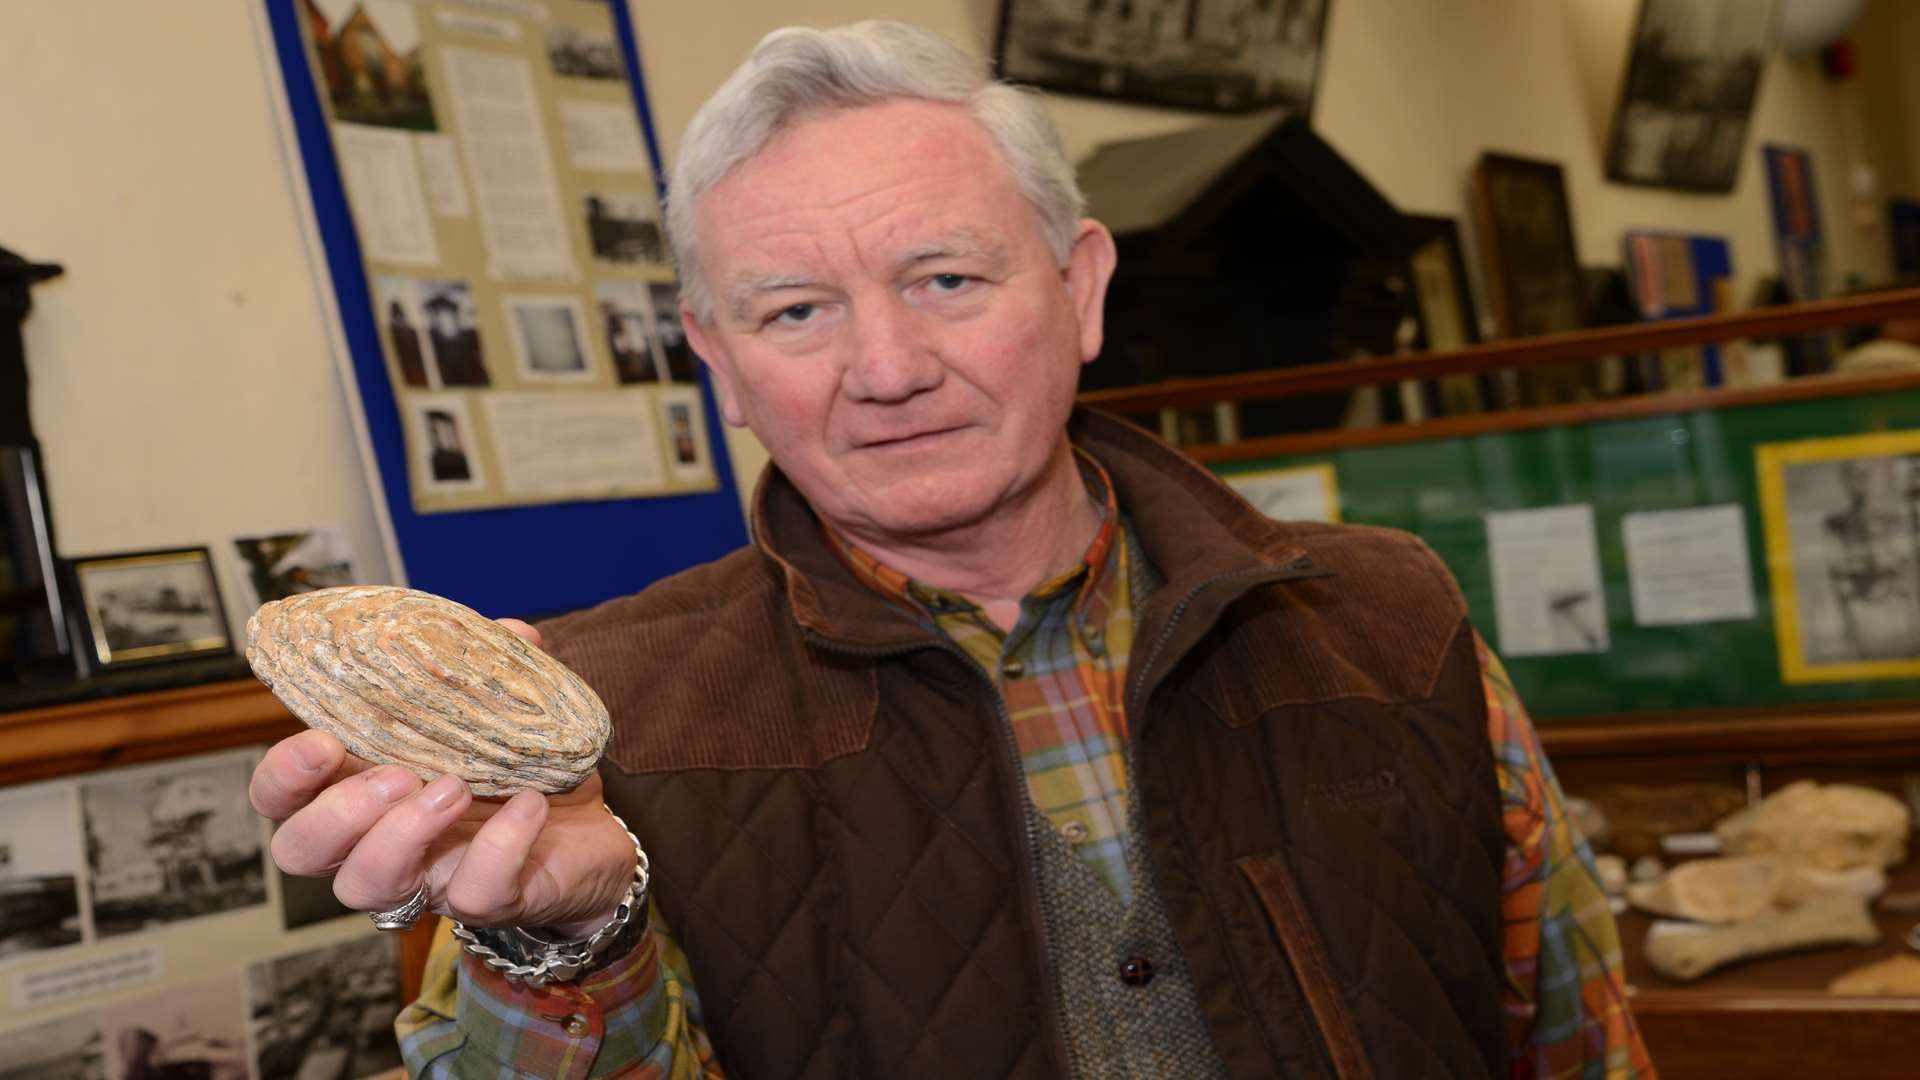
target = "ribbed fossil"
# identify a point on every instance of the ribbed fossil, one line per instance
(409, 678)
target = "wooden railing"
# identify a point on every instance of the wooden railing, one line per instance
(1521, 354)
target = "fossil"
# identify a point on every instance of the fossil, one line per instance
(408, 678)
(1831, 826)
(1828, 919)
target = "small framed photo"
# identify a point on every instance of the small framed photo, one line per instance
(1228, 55)
(151, 605)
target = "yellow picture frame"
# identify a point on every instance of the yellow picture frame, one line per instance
(1843, 561)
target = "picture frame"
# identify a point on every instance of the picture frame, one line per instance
(1230, 56)
(150, 606)
(1443, 304)
(1532, 268)
(1843, 555)
(1687, 100)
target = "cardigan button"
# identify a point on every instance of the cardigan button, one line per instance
(578, 1026)
(1012, 669)
(1136, 971)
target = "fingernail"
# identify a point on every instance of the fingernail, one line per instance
(525, 805)
(442, 792)
(391, 782)
(305, 755)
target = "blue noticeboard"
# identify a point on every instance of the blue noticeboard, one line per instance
(522, 561)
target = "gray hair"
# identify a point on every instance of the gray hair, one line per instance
(800, 71)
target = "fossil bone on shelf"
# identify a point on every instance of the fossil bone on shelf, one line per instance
(1827, 919)
(1829, 826)
(408, 678)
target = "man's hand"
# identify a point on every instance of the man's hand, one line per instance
(557, 862)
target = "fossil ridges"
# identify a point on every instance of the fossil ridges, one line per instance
(414, 679)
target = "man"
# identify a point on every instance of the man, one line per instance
(1016, 745)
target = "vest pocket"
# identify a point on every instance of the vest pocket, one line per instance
(1273, 884)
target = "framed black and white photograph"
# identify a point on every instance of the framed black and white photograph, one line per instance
(623, 227)
(290, 563)
(626, 325)
(1844, 552)
(40, 859)
(1689, 92)
(549, 338)
(1227, 55)
(327, 1012)
(453, 332)
(171, 842)
(198, 1030)
(149, 606)
(583, 54)
(443, 441)
(673, 353)
(69, 1048)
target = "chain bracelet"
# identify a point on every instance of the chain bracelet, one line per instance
(562, 960)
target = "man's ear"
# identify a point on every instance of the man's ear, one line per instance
(1088, 271)
(706, 345)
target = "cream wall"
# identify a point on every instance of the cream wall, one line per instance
(184, 377)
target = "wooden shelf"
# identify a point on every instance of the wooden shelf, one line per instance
(63, 739)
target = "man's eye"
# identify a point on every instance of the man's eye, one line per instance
(950, 282)
(798, 313)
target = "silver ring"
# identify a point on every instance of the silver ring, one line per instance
(404, 916)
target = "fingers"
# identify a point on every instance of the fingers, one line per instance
(388, 862)
(318, 838)
(485, 887)
(526, 631)
(296, 769)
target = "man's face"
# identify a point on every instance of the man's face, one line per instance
(890, 320)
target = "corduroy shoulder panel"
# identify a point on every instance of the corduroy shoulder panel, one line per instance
(681, 668)
(1378, 629)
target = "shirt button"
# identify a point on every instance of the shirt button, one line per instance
(1074, 832)
(1137, 971)
(578, 1026)
(1012, 669)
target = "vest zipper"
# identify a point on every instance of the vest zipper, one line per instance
(1260, 575)
(1030, 875)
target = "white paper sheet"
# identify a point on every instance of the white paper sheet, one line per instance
(1689, 566)
(558, 444)
(498, 113)
(383, 187)
(440, 163)
(1546, 581)
(602, 135)
(86, 977)
(1304, 494)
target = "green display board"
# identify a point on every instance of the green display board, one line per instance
(1443, 489)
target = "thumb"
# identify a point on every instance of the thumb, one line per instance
(526, 631)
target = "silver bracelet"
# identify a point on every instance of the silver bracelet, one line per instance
(522, 957)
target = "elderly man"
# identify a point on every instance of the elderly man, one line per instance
(1016, 744)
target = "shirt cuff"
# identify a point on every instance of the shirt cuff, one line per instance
(610, 1019)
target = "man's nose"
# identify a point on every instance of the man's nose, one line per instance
(893, 356)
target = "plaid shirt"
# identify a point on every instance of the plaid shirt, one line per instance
(1060, 672)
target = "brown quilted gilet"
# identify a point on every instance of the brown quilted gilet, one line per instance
(836, 826)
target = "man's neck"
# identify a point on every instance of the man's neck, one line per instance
(999, 560)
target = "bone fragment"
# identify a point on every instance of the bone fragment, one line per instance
(1828, 919)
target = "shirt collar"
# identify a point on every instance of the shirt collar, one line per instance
(1086, 575)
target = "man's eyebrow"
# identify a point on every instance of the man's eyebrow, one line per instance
(960, 243)
(742, 289)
